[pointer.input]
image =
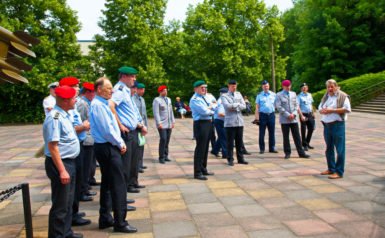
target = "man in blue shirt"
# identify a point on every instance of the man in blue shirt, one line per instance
(305, 101)
(202, 113)
(108, 148)
(81, 128)
(219, 122)
(61, 149)
(130, 123)
(265, 115)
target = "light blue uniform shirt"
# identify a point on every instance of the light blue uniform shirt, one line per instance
(58, 127)
(126, 109)
(103, 123)
(219, 109)
(305, 101)
(266, 101)
(76, 121)
(200, 108)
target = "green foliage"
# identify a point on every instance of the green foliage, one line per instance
(360, 89)
(334, 39)
(58, 54)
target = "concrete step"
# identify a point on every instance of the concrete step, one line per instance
(369, 111)
(371, 107)
(375, 102)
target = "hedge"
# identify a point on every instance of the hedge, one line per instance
(360, 89)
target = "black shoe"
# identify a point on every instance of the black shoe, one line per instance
(81, 214)
(305, 156)
(143, 167)
(103, 225)
(141, 171)
(287, 156)
(167, 160)
(76, 235)
(208, 173)
(261, 152)
(80, 222)
(162, 161)
(139, 186)
(91, 193)
(230, 163)
(94, 183)
(224, 157)
(200, 177)
(273, 151)
(216, 155)
(130, 201)
(85, 198)
(305, 148)
(243, 162)
(125, 229)
(246, 152)
(131, 208)
(310, 147)
(132, 190)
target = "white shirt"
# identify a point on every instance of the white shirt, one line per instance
(48, 102)
(331, 103)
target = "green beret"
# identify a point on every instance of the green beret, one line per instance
(199, 83)
(128, 70)
(141, 85)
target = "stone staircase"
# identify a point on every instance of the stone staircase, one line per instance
(377, 105)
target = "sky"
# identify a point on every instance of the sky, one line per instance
(89, 13)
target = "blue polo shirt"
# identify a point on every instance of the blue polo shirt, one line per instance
(266, 101)
(58, 127)
(305, 101)
(126, 109)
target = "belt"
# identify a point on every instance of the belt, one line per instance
(330, 123)
(61, 158)
(267, 113)
(307, 113)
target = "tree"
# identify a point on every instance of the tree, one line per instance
(58, 54)
(227, 39)
(338, 39)
(133, 36)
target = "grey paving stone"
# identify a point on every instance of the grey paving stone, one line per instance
(247, 210)
(237, 200)
(365, 207)
(272, 233)
(302, 194)
(199, 198)
(203, 208)
(175, 229)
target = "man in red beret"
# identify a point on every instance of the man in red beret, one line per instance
(61, 150)
(164, 120)
(81, 128)
(289, 112)
(83, 106)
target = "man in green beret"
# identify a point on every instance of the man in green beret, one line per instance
(202, 112)
(141, 104)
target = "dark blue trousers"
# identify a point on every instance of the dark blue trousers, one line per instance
(266, 120)
(62, 197)
(334, 135)
(220, 143)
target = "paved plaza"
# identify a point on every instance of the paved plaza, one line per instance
(270, 197)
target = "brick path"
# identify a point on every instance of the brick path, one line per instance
(270, 197)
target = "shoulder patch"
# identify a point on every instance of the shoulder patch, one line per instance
(57, 114)
(121, 87)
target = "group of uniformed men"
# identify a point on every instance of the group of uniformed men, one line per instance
(111, 127)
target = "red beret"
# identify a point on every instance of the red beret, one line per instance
(89, 86)
(161, 88)
(65, 92)
(286, 83)
(68, 81)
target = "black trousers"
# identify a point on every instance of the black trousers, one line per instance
(78, 183)
(212, 136)
(62, 196)
(113, 189)
(296, 137)
(92, 169)
(164, 140)
(131, 158)
(234, 133)
(202, 132)
(87, 164)
(308, 124)
(141, 155)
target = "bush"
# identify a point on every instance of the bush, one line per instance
(360, 89)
